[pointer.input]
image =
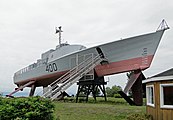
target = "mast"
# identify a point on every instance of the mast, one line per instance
(163, 26)
(59, 31)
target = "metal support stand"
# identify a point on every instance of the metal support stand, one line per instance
(91, 86)
(32, 90)
(137, 91)
(135, 84)
(21, 87)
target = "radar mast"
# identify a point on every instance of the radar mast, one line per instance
(59, 31)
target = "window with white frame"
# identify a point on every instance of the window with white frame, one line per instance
(150, 95)
(166, 95)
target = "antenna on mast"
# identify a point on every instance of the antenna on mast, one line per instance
(163, 26)
(59, 31)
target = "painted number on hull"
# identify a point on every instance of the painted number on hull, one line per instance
(51, 67)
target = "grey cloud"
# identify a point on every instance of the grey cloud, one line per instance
(27, 29)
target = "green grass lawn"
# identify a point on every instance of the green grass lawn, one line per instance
(113, 109)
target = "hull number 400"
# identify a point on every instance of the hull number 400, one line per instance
(51, 67)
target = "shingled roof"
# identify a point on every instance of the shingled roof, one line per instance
(165, 73)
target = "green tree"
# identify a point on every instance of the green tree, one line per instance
(108, 91)
(112, 91)
(1, 94)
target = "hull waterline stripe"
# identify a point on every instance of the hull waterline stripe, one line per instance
(102, 70)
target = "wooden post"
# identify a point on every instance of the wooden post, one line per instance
(137, 91)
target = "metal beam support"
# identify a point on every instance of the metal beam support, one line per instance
(137, 91)
(135, 84)
(21, 87)
(33, 87)
(91, 86)
(103, 91)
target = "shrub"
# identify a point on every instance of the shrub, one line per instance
(139, 116)
(31, 108)
(117, 95)
(114, 90)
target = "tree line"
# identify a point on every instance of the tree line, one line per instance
(113, 92)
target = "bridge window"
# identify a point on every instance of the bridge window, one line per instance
(150, 95)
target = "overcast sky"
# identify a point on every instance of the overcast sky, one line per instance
(27, 30)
